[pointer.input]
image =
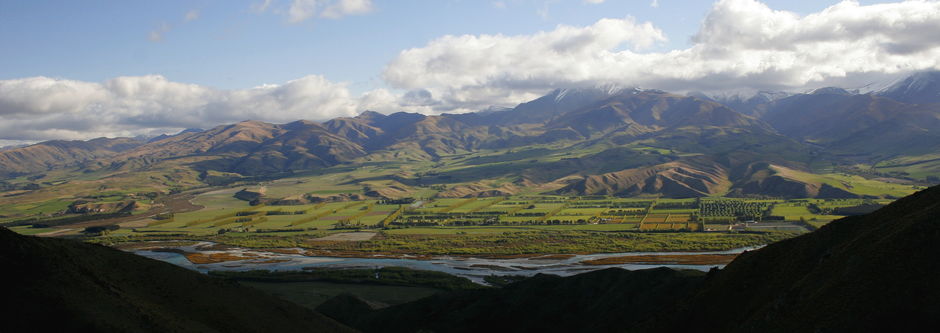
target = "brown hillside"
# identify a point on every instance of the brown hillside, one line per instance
(58, 154)
(678, 179)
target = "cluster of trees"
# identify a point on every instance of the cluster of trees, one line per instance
(402, 201)
(678, 205)
(487, 222)
(100, 230)
(612, 205)
(4, 186)
(528, 214)
(621, 212)
(278, 212)
(739, 209)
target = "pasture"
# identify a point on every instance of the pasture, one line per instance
(452, 216)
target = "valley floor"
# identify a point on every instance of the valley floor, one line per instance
(489, 226)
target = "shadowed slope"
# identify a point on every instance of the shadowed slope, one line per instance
(64, 285)
(590, 302)
(650, 111)
(859, 124)
(875, 272)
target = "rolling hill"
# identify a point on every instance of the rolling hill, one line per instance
(57, 154)
(679, 179)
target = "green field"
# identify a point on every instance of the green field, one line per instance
(221, 212)
(522, 224)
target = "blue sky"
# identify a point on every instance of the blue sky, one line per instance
(85, 69)
(230, 45)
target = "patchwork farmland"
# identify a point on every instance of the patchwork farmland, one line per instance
(500, 214)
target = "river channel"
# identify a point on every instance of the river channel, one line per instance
(470, 267)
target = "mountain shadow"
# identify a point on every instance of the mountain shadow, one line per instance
(69, 286)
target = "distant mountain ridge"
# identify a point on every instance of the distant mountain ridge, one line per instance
(919, 88)
(55, 154)
(826, 126)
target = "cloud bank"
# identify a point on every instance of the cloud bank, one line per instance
(41, 108)
(740, 44)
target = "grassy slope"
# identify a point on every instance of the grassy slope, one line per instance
(918, 167)
(852, 183)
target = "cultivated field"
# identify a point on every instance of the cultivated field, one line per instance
(221, 213)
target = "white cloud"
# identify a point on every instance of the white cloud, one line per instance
(654, 4)
(472, 70)
(262, 6)
(42, 108)
(347, 7)
(156, 35)
(741, 44)
(40, 95)
(594, 1)
(301, 10)
(191, 15)
(15, 143)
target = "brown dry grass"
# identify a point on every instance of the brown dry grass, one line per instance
(212, 258)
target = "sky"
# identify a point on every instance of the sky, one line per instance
(86, 69)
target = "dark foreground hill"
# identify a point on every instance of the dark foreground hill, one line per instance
(66, 286)
(876, 272)
(873, 272)
(599, 301)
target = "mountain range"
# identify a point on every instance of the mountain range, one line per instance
(615, 141)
